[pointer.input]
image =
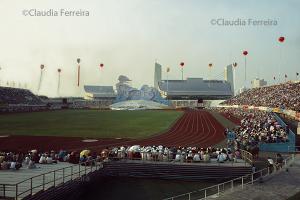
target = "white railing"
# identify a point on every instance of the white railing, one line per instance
(46, 180)
(240, 182)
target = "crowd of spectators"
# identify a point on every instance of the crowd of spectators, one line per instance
(19, 100)
(14, 161)
(285, 96)
(171, 154)
(256, 127)
(18, 96)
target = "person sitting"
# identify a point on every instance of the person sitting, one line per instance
(26, 161)
(49, 160)
(230, 155)
(42, 159)
(189, 157)
(206, 157)
(196, 157)
(220, 158)
(178, 157)
(12, 165)
(18, 165)
(31, 165)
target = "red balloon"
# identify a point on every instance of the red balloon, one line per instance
(59, 70)
(101, 65)
(42, 66)
(245, 53)
(182, 64)
(281, 39)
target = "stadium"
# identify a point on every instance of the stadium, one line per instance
(190, 132)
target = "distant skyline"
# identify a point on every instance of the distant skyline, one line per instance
(127, 36)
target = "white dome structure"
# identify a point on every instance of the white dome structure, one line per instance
(138, 105)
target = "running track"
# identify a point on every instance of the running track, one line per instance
(195, 128)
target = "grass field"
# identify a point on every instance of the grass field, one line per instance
(88, 123)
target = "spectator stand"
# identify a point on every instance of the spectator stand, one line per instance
(273, 147)
(280, 147)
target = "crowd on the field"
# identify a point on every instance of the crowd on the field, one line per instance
(285, 96)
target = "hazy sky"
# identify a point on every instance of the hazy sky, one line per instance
(128, 35)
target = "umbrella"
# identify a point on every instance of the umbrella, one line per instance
(85, 152)
(134, 148)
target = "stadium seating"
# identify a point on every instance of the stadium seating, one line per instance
(285, 96)
(18, 96)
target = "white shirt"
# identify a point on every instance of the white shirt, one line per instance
(271, 162)
(196, 157)
(49, 160)
(13, 165)
(42, 160)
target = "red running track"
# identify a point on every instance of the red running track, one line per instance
(195, 128)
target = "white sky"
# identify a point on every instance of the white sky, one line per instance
(128, 35)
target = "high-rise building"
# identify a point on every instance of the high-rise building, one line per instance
(228, 73)
(157, 74)
(256, 83)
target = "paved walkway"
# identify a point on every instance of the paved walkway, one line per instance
(279, 186)
(19, 176)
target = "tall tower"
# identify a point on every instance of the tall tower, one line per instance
(157, 74)
(228, 73)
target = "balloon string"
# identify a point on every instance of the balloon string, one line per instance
(280, 63)
(78, 75)
(40, 81)
(58, 85)
(245, 71)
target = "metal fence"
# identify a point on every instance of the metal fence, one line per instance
(46, 180)
(57, 177)
(240, 182)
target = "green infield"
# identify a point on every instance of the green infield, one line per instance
(88, 123)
